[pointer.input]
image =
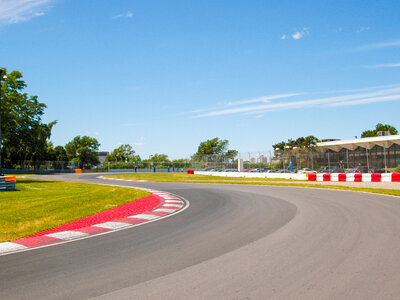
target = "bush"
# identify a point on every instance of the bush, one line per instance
(398, 169)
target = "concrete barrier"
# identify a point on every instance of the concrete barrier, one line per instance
(355, 177)
(254, 175)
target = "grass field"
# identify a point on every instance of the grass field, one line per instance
(182, 177)
(38, 205)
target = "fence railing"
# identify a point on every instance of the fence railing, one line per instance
(377, 157)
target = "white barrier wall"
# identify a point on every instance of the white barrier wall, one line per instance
(254, 175)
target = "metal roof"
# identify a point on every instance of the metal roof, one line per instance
(368, 143)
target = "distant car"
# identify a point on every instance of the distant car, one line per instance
(331, 170)
(376, 170)
(305, 171)
(336, 170)
(270, 171)
(283, 171)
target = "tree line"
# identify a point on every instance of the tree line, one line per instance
(26, 138)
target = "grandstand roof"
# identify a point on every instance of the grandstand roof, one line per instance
(368, 143)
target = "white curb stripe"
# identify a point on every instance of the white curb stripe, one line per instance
(112, 225)
(165, 210)
(172, 205)
(173, 201)
(8, 247)
(145, 217)
(67, 235)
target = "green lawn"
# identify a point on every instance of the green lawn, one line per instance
(182, 177)
(38, 205)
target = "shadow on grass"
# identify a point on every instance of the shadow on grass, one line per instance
(27, 180)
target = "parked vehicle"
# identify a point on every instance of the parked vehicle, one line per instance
(305, 171)
(376, 170)
(283, 171)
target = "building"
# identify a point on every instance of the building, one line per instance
(372, 152)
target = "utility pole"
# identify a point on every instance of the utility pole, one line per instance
(2, 76)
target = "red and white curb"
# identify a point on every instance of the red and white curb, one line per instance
(120, 179)
(355, 177)
(170, 204)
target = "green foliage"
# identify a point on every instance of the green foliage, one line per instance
(119, 165)
(24, 135)
(379, 127)
(182, 163)
(398, 169)
(159, 158)
(214, 148)
(123, 153)
(301, 143)
(83, 150)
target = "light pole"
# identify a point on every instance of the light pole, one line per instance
(2, 76)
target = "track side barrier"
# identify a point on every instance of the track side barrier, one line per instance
(355, 177)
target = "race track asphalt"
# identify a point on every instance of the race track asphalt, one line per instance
(233, 242)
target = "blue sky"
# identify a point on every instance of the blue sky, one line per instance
(165, 75)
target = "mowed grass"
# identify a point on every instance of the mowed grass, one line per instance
(182, 177)
(38, 205)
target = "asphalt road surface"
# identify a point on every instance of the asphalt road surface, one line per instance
(233, 242)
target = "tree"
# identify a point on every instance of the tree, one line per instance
(24, 135)
(379, 127)
(83, 150)
(123, 153)
(216, 147)
(159, 158)
(301, 143)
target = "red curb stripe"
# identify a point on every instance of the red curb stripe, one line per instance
(74, 230)
(37, 241)
(132, 208)
(92, 230)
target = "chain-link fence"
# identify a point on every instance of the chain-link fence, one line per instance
(375, 159)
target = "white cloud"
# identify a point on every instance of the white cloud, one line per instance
(388, 94)
(15, 11)
(283, 37)
(300, 34)
(124, 15)
(139, 144)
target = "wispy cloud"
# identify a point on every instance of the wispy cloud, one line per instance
(378, 46)
(124, 15)
(15, 11)
(265, 99)
(379, 66)
(386, 94)
(362, 29)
